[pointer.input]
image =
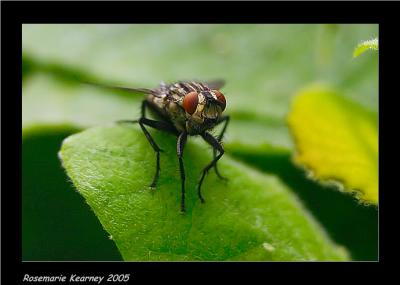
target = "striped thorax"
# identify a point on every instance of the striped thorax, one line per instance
(191, 106)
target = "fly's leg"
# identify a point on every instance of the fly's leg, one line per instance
(180, 144)
(224, 119)
(156, 149)
(159, 125)
(217, 146)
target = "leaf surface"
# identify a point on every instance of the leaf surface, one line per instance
(251, 217)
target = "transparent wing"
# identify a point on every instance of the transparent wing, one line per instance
(120, 88)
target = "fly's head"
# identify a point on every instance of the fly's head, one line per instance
(203, 110)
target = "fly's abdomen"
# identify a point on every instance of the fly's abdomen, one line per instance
(169, 109)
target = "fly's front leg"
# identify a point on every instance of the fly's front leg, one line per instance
(159, 125)
(180, 144)
(216, 146)
(224, 119)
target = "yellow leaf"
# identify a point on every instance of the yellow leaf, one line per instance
(337, 140)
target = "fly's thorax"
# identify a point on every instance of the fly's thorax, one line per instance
(158, 101)
(190, 106)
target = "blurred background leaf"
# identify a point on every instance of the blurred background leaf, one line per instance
(264, 66)
(336, 140)
(364, 46)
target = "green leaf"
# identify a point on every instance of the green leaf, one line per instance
(350, 225)
(337, 140)
(364, 46)
(251, 217)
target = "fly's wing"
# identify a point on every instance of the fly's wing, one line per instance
(126, 89)
(215, 84)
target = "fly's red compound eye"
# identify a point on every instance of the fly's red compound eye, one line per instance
(220, 98)
(190, 102)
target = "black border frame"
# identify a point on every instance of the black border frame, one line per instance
(14, 14)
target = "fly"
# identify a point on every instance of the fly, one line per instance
(185, 108)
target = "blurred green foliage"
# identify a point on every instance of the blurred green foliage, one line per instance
(264, 65)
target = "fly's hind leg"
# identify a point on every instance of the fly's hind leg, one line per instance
(180, 144)
(158, 125)
(219, 138)
(217, 146)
